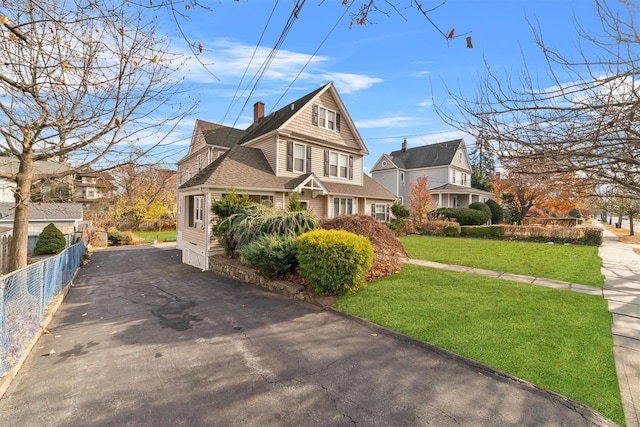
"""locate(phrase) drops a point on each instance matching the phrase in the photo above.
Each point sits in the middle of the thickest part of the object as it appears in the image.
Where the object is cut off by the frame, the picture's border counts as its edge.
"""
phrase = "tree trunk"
(19, 242)
(630, 224)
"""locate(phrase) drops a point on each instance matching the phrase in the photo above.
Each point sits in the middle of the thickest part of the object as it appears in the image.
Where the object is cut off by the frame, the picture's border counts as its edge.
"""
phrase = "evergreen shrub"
(334, 262)
(271, 256)
(464, 216)
(479, 206)
(497, 213)
(50, 241)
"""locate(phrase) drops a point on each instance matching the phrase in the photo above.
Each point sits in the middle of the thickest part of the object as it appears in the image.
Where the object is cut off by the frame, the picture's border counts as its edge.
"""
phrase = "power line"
(246, 70)
(312, 56)
(267, 63)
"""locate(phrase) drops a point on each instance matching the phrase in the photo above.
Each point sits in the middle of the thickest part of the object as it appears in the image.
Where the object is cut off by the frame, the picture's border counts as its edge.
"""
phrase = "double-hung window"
(325, 118)
(299, 157)
(338, 165)
(342, 206)
(380, 211)
(195, 211)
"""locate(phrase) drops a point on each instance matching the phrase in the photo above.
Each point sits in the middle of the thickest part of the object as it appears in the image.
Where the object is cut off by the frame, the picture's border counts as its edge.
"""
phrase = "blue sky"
(388, 72)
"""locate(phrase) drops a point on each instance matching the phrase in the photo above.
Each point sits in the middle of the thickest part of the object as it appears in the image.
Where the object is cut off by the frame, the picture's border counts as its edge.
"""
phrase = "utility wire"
(235, 98)
(267, 63)
(312, 56)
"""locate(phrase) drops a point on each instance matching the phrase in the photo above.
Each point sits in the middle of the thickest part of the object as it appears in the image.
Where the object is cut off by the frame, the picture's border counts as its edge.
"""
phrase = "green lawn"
(160, 236)
(559, 340)
(568, 263)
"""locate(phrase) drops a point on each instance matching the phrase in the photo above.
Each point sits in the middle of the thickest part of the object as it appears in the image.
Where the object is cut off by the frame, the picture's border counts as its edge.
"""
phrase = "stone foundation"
(233, 268)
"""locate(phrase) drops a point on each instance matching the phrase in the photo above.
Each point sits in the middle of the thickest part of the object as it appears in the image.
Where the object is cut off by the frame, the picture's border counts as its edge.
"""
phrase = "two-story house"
(92, 187)
(446, 166)
(310, 147)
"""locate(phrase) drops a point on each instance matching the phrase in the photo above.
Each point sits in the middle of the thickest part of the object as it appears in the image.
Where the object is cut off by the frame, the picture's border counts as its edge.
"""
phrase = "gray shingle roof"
(276, 119)
(40, 167)
(425, 156)
(45, 211)
(247, 168)
(219, 135)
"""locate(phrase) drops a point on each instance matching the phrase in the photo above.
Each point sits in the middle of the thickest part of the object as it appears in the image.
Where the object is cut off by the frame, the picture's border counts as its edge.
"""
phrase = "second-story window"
(338, 165)
(298, 157)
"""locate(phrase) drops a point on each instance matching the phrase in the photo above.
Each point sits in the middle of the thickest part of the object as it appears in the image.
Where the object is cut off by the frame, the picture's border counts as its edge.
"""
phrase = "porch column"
(470, 198)
(439, 200)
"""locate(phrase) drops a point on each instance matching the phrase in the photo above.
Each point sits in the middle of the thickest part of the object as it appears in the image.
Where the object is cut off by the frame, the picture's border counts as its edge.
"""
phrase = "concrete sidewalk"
(621, 268)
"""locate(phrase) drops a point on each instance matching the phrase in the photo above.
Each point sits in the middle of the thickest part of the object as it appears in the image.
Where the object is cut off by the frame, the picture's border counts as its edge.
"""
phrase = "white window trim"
(341, 161)
(304, 157)
(323, 118)
(198, 211)
(343, 209)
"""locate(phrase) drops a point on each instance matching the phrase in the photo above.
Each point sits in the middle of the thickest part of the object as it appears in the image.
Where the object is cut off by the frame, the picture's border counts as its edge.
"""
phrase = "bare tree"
(585, 119)
(84, 83)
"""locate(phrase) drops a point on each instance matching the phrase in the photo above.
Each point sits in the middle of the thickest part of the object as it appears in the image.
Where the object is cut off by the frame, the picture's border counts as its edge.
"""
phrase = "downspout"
(207, 229)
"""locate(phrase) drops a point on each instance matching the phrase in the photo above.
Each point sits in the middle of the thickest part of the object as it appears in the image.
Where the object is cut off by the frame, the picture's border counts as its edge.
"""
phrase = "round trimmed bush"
(50, 241)
(497, 213)
(479, 206)
(334, 262)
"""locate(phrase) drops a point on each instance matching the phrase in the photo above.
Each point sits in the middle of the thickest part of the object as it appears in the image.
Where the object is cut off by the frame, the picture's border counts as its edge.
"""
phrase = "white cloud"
(229, 60)
(385, 122)
(425, 103)
(421, 74)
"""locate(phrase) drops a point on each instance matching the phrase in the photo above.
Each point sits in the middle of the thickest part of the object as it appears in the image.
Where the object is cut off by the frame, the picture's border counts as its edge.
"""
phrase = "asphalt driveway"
(143, 340)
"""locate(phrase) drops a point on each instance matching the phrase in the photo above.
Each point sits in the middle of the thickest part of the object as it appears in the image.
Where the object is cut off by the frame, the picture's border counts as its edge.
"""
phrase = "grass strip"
(556, 339)
(160, 236)
(567, 263)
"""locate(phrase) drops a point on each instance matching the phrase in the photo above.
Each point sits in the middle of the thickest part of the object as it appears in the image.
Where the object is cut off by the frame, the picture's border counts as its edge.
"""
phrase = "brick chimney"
(258, 111)
(404, 145)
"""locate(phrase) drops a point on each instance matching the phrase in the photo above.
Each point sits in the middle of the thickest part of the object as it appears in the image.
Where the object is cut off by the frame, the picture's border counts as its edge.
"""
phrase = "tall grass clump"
(256, 221)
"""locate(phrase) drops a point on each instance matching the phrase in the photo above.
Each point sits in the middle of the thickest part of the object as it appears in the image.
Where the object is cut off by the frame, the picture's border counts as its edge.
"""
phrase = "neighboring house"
(310, 147)
(92, 187)
(45, 188)
(446, 166)
(66, 216)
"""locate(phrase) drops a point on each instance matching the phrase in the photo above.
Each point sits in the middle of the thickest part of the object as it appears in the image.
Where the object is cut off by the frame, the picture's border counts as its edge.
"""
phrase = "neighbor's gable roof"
(44, 211)
(426, 156)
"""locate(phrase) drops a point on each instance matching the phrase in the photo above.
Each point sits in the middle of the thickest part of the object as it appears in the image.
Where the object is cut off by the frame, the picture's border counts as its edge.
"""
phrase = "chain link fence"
(24, 295)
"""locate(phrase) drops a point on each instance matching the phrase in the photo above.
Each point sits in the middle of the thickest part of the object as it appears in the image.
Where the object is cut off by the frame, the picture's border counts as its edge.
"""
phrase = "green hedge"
(464, 216)
(334, 262)
(589, 236)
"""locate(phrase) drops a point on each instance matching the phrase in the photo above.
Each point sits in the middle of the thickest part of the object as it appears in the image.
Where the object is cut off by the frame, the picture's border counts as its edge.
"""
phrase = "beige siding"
(192, 236)
(197, 141)
(302, 123)
(269, 147)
